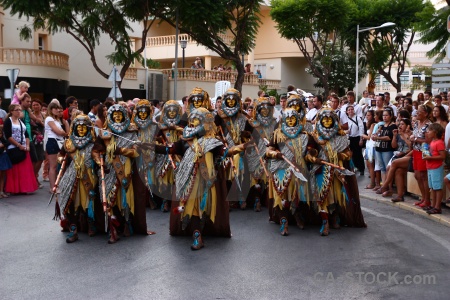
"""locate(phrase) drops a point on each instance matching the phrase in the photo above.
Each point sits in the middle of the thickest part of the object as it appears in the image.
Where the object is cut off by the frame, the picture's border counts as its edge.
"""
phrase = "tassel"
(124, 198)
(130, 228)
(149, 177)
(301, 192)
(64, 223)
(91, 209)
(178, 210)
(57, 215)
(203, 203)
(344, 193)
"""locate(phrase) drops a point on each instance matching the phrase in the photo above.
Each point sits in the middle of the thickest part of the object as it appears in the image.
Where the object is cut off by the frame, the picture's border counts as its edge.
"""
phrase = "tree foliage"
(315, 26)
(342, 74)
(433, 29)
(87, 21)
(386, 49)
(210, 23)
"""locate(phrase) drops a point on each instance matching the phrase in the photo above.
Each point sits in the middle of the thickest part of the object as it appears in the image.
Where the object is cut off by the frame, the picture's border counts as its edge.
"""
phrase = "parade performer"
(263, 124)
(144, 179)
(200, 201)
(116, 142)
(337, 193)
(78, 184)
(234, 130)
(295, 101)
(289, 189)
(169, 132)
(197, 98)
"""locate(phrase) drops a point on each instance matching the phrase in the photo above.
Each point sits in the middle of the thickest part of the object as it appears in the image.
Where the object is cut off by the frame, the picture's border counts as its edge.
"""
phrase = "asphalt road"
(399, 256)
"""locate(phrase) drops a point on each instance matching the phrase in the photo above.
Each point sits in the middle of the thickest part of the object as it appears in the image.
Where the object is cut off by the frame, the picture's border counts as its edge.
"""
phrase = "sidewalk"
(408, 204)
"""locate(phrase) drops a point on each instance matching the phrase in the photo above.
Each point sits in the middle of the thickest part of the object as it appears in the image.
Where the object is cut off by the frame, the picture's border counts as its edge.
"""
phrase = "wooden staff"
(58, 179)
(231, 159)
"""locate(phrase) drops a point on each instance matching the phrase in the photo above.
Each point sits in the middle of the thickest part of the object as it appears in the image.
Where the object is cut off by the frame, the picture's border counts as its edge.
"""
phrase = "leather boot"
(165, 206)
(325, 229)
(284, 227)
(257, 205)
(113, 237)
(198, 241)
(335, 220)
(92, 229)
(299, 220)
(73, 234)
(127, 229)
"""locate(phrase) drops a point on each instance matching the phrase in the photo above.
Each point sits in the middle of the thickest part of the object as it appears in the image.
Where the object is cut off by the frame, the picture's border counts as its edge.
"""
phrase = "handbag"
(15, 154)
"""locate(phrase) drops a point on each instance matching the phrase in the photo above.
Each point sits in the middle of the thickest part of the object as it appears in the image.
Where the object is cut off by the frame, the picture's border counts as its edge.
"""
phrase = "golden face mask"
(143, 114)
(117, 116)
(82, 130)
(231, 102)
(327, 122)
(291, 121)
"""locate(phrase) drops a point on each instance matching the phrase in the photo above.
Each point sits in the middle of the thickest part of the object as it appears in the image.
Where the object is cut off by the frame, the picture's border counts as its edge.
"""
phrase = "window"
(42, 42)
(262, 68)
(404, 78)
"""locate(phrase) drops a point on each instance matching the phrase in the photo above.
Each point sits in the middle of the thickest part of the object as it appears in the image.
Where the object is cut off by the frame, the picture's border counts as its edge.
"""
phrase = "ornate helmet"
(122, 124)
(295, 101)
(231, 102)
(291, 124)
(81, 131)
(143, 113)
(263, 111)
(170, 114)
(327, 125)
(200, 123)
(198, 98)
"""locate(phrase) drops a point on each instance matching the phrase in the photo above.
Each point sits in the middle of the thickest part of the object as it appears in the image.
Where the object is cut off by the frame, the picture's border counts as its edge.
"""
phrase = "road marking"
(429, 234)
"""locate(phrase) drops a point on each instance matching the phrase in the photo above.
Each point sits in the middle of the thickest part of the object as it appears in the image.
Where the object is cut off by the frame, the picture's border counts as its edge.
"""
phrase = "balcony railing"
(169, 40)
(206, 75)
(34, 57)
(131, 73)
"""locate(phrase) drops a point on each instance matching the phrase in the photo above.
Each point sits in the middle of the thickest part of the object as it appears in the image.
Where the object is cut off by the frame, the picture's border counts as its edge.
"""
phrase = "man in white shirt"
(343, 120)
(312, 113)
(351, 101)
(387, 102)
(355, 133)
(276, 111)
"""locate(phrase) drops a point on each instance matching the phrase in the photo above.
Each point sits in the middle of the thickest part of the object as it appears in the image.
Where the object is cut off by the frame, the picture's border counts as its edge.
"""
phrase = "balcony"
(33, 57)
(213, 76)
(169, 40)
(162, 48)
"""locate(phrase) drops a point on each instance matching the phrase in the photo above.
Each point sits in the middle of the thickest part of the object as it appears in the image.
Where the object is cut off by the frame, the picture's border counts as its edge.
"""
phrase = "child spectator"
(5, 163)
(435, 166)
(23, 87)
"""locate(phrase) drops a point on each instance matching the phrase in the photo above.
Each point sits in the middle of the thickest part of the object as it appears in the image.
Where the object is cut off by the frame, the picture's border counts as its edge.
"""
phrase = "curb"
(442, 219)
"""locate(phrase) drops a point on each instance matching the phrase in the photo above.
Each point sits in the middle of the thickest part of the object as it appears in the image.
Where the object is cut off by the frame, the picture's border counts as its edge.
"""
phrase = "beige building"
(57, 65)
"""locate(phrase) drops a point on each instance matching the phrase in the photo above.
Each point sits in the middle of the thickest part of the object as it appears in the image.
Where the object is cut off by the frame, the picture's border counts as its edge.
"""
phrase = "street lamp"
(387, 24)
(183, 44)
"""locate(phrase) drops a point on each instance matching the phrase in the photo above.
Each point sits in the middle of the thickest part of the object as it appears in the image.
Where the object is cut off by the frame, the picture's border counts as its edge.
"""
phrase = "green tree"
(433, 29)
(342, 75)
(87, 21)
(211, 23)
(386, 49)
(315, 26)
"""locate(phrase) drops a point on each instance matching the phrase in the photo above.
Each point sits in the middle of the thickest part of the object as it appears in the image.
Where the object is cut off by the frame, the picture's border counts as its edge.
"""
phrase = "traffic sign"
(115, 93)
(12, 75)
(114, 75)
(448, 23)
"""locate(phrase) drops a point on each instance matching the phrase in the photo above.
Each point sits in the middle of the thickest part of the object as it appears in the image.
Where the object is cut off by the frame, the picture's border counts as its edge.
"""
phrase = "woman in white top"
(55, 137)
(20, 178)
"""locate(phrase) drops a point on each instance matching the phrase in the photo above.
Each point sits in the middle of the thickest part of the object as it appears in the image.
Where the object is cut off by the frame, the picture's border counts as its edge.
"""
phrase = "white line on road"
(429, 234)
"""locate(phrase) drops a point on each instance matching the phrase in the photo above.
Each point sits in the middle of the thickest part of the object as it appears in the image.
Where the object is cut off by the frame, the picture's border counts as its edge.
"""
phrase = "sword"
(292, 167)
(112, 133)
(58, 179)
(104, 201)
